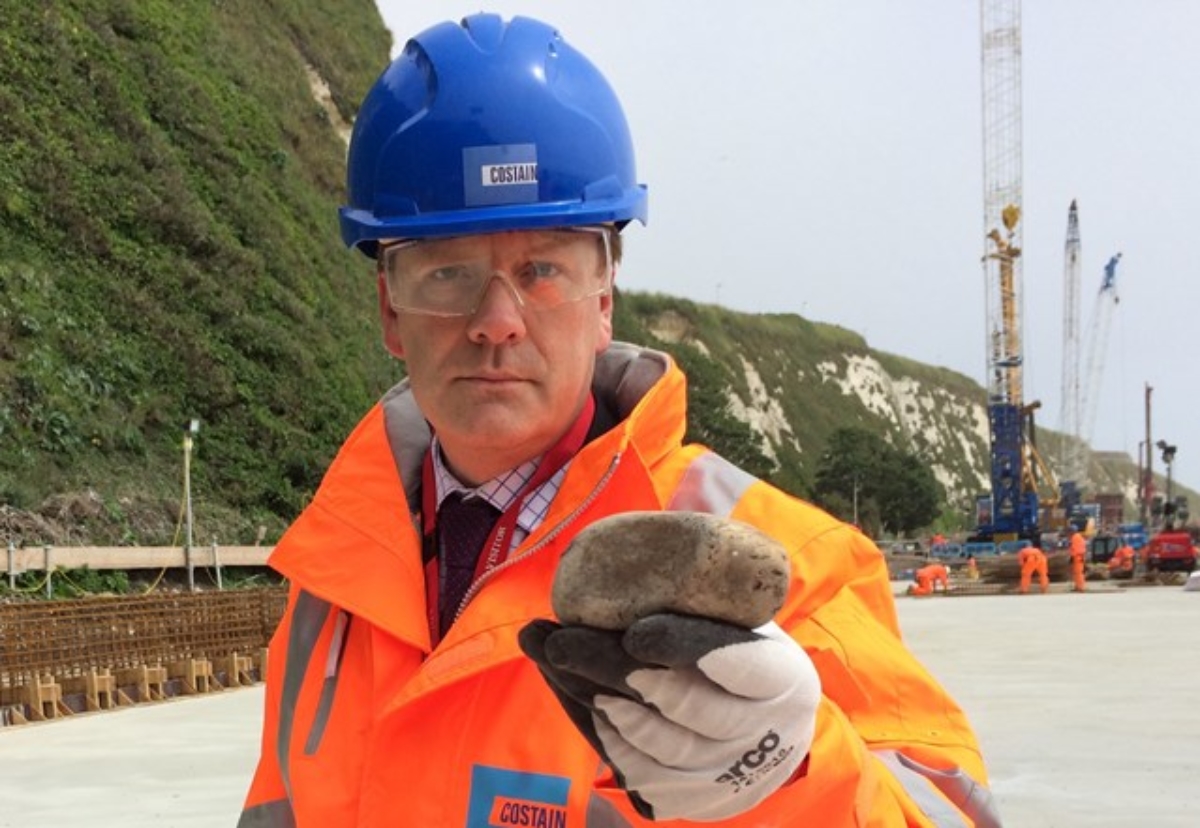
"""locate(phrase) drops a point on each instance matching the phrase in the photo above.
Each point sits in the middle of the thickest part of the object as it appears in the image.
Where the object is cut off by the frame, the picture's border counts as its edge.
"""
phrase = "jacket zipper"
(551, 535)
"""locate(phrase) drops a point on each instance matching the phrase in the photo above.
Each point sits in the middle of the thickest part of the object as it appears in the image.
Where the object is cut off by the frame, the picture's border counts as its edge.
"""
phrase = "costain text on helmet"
(499, 174)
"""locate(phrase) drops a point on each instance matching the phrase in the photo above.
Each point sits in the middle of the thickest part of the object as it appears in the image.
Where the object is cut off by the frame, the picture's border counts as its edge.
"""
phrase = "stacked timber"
(1005, 569)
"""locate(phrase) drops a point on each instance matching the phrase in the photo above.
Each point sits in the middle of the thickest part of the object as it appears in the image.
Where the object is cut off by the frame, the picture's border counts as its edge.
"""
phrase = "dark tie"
(463, 526)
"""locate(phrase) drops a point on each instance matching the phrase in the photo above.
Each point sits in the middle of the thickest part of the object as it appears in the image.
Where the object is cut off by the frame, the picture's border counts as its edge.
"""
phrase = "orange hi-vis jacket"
(1078, 548)
(934, 573)
(366, 725)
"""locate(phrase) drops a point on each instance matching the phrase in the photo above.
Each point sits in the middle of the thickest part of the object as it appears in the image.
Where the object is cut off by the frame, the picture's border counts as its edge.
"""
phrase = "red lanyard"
(500, 542)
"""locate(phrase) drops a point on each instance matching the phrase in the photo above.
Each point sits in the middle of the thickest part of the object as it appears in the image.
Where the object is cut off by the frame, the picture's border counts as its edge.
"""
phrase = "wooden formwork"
(115, 650)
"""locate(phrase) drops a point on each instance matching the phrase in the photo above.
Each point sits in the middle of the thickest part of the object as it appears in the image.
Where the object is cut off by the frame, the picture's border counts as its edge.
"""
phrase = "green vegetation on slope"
(169, 248)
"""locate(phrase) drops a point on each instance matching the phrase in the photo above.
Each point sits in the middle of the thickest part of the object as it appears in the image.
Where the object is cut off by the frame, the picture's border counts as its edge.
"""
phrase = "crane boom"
(1106, 301)
(1071, 463)
(1001, 79)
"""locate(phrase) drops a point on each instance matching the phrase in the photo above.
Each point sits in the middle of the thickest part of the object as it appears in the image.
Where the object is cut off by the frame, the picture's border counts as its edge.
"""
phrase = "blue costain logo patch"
(501, 174)
(502, 798)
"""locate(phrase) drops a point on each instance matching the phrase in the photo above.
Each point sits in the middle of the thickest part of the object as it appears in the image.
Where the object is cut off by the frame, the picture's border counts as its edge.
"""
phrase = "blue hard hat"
(485, 126)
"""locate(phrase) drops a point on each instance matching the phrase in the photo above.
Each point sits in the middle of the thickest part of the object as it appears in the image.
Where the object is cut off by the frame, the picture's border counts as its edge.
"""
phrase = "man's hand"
(699, 719)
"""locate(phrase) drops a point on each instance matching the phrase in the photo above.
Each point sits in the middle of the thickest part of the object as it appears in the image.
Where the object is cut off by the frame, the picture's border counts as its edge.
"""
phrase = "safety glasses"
(542, 268)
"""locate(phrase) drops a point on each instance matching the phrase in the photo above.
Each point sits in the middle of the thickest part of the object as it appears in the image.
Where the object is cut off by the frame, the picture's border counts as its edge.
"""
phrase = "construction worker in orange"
(1121, 563)
(1078, 553)
(929, 577)
(1033, 560)
(972, 569)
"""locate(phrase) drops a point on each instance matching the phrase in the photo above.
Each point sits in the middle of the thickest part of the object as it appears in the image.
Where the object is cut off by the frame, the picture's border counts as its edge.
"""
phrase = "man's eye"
(452, 274)
(542, 270)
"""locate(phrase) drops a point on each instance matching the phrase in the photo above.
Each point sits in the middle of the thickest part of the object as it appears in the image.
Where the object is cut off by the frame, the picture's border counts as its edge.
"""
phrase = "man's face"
(501, 384)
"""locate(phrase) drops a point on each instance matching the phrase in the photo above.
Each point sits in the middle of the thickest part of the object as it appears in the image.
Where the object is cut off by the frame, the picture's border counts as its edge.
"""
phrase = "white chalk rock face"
(631, 565)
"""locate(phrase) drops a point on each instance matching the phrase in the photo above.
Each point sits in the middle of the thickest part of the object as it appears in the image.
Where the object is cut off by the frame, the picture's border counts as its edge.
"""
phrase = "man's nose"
(499, 277)
(500, 314)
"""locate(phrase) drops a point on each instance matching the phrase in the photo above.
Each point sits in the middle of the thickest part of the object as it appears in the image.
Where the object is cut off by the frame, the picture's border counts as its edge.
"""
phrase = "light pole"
(1168, 456)
(189, 433)
(1141, 490)
(856, 500)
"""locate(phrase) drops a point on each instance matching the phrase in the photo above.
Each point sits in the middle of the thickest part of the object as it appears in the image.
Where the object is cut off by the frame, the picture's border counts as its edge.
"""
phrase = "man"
(410, 683)
(930, 577)
(1078, 555)
(972, 569)
(1033, 561)
(1120, 565)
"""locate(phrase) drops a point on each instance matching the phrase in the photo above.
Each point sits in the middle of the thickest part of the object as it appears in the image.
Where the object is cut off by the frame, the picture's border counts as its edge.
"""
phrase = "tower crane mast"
(1081, 395)
(1071, 462)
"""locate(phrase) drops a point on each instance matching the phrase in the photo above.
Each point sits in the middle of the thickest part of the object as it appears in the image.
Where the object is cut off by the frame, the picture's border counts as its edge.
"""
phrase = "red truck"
(1172, 551)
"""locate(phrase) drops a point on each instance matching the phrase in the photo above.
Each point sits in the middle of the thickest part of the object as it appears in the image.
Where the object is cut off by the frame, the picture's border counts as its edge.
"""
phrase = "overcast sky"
(825, 159)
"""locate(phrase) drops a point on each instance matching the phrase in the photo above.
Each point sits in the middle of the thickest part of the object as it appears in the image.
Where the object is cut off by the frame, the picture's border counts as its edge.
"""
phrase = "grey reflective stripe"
(711, 484)
(332, 662)
(408, 435)
(308, 618)
(277, 814)
(603, 814)
(971, 798)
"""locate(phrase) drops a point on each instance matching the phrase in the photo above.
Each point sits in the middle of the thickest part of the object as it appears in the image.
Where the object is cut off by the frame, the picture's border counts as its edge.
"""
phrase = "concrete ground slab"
(182, 763)
(1086, 706)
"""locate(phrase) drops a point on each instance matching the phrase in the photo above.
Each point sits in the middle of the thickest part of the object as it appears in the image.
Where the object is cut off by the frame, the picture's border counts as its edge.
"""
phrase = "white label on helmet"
(499, 175)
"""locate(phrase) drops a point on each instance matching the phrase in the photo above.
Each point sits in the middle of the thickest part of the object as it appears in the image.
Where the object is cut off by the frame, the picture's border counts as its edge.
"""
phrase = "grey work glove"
(699, 719)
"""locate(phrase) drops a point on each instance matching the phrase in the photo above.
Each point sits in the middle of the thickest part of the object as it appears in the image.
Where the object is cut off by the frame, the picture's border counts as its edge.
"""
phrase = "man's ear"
(607, 303)
(388, 319)
(604, 335)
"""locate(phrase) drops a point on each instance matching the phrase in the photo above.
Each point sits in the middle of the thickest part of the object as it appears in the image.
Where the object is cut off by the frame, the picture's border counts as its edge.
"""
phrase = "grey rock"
(631, 565)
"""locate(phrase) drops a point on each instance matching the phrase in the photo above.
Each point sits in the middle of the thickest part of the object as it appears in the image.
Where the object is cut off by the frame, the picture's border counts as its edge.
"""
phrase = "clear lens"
(544, 268)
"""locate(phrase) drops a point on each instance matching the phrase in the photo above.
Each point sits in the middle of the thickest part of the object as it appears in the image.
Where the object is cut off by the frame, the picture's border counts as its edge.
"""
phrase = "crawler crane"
(1022, 484)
